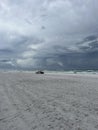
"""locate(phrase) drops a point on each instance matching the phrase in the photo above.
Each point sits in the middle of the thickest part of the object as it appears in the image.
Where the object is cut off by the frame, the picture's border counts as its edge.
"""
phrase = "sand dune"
(48, 102)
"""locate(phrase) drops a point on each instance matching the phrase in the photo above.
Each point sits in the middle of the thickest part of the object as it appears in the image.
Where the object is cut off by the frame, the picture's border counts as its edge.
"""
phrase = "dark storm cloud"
(7, 51)
(49, 33)
(85, 57)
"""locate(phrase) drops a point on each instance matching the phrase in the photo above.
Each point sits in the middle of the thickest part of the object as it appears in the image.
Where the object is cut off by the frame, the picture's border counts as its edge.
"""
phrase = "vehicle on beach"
(39, 72)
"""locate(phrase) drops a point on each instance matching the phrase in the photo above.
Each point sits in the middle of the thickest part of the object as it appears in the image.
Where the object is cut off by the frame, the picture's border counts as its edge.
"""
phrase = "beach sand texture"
(48, 102)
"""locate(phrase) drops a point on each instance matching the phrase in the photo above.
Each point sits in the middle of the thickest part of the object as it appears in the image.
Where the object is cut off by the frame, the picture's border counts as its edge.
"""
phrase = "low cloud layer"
(48, 34)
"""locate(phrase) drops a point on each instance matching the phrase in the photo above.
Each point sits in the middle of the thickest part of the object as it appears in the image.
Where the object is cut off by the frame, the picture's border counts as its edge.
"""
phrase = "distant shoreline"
(54, 72)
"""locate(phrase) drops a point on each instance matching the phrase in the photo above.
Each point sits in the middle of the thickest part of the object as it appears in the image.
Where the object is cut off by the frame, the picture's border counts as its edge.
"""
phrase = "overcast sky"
(49, 34)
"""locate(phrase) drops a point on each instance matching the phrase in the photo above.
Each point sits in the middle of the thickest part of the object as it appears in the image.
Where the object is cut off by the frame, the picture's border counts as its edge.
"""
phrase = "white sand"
(48, 102)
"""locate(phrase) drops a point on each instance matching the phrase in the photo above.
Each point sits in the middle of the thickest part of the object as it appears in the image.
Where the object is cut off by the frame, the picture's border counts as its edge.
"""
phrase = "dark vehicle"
(39, 72)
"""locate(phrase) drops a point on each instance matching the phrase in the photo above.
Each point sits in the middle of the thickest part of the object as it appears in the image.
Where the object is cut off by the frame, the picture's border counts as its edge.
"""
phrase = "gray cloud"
(47, 33)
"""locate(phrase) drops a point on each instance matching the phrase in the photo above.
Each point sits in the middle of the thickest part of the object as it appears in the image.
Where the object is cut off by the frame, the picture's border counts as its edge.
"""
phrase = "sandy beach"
(31, 101)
